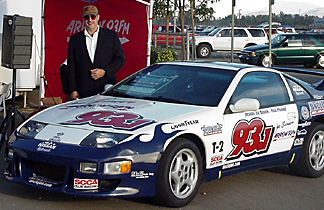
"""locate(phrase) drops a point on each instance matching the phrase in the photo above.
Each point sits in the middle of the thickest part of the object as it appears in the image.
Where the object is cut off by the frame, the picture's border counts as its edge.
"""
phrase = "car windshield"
(278, 39)
(214, 32)
(176, 84)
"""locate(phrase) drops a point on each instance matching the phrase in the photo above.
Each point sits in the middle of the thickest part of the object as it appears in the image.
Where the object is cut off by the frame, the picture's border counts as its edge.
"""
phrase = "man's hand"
(97, 73)
(75, 95)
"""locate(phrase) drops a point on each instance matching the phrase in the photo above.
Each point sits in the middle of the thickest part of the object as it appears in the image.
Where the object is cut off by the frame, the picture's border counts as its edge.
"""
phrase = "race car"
(170, 127)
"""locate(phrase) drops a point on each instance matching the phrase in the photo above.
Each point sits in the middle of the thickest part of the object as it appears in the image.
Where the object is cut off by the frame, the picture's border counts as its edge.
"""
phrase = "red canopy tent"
(129, 18)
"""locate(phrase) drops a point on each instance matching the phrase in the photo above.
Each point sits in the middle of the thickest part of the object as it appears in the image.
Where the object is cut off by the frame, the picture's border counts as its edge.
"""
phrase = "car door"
(265, 134)
(240, 39)
(222, 40)
(312, 45)
(291, 50)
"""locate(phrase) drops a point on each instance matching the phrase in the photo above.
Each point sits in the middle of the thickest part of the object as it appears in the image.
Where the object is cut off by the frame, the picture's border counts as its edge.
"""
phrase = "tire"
(320, 61)
(264, 60)
(203, 51)
(311, 163)
(179, 175)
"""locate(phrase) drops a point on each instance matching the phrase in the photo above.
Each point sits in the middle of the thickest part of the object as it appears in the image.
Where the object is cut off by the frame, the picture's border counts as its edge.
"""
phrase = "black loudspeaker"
(17, 39)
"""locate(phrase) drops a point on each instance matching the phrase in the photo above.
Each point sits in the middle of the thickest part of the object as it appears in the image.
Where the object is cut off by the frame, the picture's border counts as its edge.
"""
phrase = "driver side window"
(267, 87)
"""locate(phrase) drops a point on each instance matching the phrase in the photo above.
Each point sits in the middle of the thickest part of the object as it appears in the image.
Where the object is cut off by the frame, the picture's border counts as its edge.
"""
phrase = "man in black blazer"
(94, 57)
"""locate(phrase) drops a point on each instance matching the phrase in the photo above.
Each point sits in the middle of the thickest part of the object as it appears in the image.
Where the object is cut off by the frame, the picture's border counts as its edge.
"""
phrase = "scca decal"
(249, 138)
(117, 120)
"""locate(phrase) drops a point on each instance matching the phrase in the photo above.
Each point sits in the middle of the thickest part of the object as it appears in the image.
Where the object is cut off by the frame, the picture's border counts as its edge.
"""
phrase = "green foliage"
(160, 55)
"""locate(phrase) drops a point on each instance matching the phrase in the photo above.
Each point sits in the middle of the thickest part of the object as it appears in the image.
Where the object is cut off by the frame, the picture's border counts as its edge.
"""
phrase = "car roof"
(210, 64)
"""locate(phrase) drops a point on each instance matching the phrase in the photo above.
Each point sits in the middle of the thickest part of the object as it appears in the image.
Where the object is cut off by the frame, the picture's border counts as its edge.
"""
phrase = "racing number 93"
(117, 120)
(250, 137)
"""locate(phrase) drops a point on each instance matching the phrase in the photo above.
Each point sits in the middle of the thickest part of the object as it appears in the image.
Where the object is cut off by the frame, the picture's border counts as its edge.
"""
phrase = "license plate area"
(85, 184)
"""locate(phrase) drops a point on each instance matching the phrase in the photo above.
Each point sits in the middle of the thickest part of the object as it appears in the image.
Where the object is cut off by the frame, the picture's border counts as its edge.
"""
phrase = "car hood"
(111, 114)
(204, 39)
(256, 47)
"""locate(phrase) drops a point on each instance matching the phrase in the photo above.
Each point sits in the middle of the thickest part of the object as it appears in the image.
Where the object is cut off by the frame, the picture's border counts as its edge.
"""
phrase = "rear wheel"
(311, 163)
(203, 51)
(179, 175)
(320, 62)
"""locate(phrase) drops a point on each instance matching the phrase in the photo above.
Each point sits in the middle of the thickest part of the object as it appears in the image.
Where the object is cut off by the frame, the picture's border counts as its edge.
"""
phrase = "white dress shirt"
(91, 42)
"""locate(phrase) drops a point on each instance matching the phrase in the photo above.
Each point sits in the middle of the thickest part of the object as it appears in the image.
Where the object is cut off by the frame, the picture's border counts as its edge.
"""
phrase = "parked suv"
(292, 48)
(220, 40)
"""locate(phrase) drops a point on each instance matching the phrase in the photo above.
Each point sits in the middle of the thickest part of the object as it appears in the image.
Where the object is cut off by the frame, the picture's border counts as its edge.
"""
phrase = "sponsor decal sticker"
(46, 146)
(121, 105)
(284, 124)
(304, 112)
(218, 147)
(285, 134)
(302, 132)
(316, 108)
(141, 174)
(216, 160)
(57, 138)
(250, 137)
(185, 124)
(41, 181)
(318, 96)
(211, 130)
(231, 165)
(85, 184)
(298, 141)
(304, 124)
(265, 111)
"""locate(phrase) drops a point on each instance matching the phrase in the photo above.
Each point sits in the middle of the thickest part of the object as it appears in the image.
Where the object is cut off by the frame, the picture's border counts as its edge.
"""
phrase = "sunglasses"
(87, 17)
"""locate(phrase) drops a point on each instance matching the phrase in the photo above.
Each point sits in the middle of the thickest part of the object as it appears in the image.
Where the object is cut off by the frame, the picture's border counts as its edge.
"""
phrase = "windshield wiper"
(118, 94)
(163, 99)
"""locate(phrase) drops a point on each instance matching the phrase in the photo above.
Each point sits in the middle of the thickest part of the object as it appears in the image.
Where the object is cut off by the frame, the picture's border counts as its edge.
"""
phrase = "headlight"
(88, 168)
(31, 129)
(118, 167)
(103, 140)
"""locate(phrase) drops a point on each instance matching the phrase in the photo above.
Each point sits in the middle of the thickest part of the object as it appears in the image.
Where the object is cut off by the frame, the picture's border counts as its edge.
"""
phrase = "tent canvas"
(62, 19)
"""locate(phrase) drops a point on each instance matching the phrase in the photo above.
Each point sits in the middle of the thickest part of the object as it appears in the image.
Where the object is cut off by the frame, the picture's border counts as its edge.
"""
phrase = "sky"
(224, 7)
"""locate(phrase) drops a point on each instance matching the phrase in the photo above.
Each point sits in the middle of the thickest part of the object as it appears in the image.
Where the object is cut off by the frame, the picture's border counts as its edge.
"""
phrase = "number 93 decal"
(117, 120)
(249, 138)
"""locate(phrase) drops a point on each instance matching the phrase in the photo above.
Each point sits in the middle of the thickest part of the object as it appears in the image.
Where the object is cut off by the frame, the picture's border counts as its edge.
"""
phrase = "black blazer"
(109, 56)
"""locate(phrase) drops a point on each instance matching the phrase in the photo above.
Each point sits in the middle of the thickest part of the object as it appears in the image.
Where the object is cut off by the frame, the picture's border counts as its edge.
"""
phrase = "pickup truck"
(161, 38)
(220, 40)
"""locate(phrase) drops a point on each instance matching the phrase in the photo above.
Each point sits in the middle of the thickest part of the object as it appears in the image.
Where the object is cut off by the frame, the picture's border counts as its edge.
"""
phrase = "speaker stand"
(11, 115)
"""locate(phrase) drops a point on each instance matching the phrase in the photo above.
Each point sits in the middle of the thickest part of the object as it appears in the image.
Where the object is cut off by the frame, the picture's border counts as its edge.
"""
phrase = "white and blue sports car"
(169, 127)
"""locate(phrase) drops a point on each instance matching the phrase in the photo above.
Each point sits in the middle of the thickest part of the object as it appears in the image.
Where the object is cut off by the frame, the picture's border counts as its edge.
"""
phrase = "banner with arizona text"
(63, 18)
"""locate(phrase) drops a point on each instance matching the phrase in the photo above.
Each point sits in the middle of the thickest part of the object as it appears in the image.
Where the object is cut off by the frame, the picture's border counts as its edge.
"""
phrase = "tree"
(199, 12)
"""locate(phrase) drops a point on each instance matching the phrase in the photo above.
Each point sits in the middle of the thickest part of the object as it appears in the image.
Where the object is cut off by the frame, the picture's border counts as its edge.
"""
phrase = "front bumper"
(59, 169)
(246, 58)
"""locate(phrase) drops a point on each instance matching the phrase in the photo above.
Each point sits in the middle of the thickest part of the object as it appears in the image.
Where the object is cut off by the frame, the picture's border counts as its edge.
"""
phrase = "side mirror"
(245, 104)
(107, 86)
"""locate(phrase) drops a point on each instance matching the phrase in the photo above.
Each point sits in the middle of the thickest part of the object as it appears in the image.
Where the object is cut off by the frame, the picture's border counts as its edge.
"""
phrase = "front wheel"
(320, 62)
(311, 163)
(203, 51)
(264, 61)
(179, 175)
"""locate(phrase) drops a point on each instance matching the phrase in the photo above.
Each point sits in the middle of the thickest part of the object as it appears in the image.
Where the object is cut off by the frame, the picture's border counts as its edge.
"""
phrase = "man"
(94, 57)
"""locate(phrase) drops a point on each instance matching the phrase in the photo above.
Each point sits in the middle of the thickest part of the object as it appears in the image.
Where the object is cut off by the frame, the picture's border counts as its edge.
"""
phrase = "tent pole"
(41, 68)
